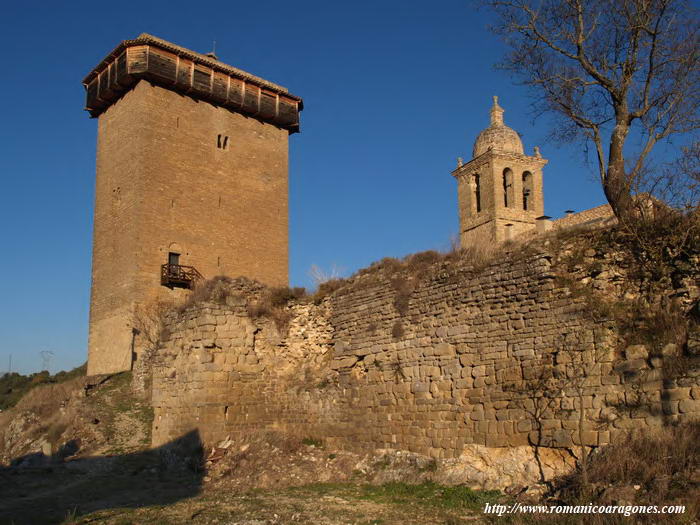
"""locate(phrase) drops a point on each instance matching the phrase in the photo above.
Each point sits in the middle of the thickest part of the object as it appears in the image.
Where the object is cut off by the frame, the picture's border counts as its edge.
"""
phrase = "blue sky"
(394, 92)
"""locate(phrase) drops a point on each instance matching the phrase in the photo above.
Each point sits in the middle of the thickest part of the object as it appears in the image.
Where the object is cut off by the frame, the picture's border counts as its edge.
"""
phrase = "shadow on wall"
(38, 489)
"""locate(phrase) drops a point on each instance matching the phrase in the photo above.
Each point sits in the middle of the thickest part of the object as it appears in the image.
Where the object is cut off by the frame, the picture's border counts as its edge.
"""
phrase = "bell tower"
(500, 188)
(191, 183)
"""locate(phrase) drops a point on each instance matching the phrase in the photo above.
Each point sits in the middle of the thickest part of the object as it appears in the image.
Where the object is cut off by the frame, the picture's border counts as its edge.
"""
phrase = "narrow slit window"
(477, 192)
(527, 190)
(222, 142)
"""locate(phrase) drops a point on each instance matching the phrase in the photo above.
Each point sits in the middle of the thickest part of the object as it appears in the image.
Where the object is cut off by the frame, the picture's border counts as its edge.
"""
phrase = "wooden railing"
(178, 276)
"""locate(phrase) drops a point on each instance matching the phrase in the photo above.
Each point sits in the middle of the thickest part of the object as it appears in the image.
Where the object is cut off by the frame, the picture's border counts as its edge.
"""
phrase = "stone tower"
(191, 183)
(500, 189)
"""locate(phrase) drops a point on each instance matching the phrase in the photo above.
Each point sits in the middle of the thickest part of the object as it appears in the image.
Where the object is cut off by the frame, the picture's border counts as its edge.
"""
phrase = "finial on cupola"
(496, 113)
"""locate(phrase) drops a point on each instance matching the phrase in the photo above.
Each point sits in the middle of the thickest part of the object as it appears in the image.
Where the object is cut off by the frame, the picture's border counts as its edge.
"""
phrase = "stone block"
(610, 380)
(477, 414)
(689, 405)
(670, 350)
(634, 352)
(445, 350)
(494, 440)
(430, 371)
(205, 320)
(464, 349)
(585, 437)
(479, 371)
(420, 387)
(561, 438)
(464, 383)
(631, 366)
(676, 394)
(344, 362)
(453, 371)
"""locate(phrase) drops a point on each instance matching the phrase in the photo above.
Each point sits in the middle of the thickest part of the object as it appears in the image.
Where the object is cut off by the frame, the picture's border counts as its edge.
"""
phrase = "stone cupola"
(497, 136)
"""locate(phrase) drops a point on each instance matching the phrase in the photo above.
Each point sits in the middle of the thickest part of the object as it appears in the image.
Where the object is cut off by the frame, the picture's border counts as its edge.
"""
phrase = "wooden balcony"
(178, 276)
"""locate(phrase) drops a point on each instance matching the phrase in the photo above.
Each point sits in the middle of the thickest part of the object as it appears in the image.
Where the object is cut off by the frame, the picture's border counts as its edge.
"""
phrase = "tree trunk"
(616, 185)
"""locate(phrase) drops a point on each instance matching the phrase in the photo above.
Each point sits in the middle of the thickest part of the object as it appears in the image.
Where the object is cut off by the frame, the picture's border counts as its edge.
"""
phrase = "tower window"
(477, 192)
(507, 187)
(173, 258)
(222, 142)
(527, 190)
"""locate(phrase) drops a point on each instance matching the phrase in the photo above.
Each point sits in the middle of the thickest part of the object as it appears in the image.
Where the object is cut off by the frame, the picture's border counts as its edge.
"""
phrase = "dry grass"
(651, 467)
(43, 400)
(216, 290)
(327, 288)
(274, 304)
(664, 461)
(46, 405)
(405, 274)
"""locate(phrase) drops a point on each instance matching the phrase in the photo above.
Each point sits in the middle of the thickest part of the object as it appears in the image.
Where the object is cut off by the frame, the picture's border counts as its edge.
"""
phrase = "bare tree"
(679, 182)
(319, 275)
(608, 70)
(148, 321)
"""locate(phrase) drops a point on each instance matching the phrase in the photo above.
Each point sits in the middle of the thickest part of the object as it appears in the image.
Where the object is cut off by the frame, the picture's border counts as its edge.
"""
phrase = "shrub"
(660, 463)
(327, 288)
(388, 264)
(280, 296)
(312, 442)
(418, 262)
(216, 290)
(273, 304)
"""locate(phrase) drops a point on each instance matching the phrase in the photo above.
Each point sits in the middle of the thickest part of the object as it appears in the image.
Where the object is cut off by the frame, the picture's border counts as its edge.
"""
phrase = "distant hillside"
(13, 385)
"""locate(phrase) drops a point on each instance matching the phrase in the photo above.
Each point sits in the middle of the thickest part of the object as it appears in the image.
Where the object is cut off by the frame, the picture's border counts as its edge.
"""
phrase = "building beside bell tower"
(500, 188)
(191, 183)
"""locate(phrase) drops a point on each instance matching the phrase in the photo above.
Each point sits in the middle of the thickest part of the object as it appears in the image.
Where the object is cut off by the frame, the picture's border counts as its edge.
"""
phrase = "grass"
(428, 493)
(114, 399)
(312, 442)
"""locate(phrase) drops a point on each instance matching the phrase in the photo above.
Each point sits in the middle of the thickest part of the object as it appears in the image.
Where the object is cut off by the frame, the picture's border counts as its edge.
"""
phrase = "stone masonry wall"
(163, 185)
(502, 357)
